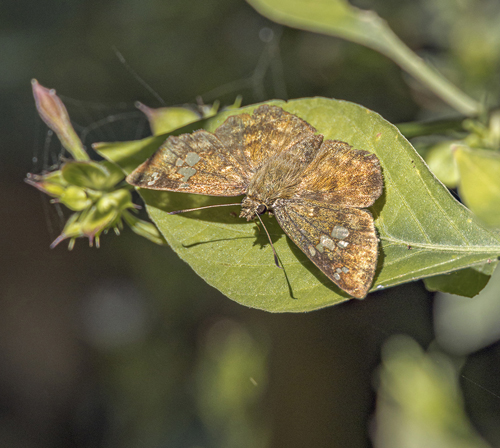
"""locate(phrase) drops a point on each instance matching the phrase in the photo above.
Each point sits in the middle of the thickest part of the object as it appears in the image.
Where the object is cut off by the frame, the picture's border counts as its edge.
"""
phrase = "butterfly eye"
(261, 209)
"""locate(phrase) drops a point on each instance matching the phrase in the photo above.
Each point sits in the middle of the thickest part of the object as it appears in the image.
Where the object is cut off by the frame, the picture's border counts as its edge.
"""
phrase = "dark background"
(125, 345)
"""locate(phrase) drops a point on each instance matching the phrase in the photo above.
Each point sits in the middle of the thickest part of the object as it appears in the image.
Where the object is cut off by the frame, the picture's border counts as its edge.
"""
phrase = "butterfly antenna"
(270, 242)
(276, 259)
(201, 208)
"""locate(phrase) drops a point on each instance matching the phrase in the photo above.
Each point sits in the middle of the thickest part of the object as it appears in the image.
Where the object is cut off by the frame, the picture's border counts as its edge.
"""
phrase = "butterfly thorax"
(278, 178)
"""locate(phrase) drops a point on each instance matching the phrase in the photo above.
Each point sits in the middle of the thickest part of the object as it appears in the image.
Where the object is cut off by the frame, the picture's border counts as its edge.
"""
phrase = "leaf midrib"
(445, 247)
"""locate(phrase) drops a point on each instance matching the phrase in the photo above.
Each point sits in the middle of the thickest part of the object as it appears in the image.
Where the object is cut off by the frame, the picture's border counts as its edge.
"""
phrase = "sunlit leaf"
(480, 182)
(442, 164)
(423, 230)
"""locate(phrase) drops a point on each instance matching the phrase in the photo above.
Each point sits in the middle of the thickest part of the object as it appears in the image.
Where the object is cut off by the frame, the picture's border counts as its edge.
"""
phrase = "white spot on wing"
(343, 244)
(327, 242)
(154, 178)
(187, 172)
(192, 158)
(340, 232)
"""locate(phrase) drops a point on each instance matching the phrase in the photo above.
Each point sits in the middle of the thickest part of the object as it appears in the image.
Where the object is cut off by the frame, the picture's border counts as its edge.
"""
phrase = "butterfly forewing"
(265, 134)
(342, 176)
(192, 163)
(342, 242)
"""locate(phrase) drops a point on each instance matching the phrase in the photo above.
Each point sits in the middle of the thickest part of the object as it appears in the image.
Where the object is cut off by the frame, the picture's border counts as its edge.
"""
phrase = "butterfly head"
(250, 208)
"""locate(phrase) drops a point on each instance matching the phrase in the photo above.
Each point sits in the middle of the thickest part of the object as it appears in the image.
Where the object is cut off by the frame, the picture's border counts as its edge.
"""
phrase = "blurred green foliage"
(419, 402)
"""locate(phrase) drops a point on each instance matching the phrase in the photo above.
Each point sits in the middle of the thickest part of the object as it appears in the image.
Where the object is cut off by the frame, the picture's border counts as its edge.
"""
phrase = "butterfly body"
(317, 189)
(279, 177)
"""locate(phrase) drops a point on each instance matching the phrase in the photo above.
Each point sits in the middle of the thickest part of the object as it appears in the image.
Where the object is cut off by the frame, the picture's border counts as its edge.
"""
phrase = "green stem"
(396, 50)
(419, 129)
(338, 18)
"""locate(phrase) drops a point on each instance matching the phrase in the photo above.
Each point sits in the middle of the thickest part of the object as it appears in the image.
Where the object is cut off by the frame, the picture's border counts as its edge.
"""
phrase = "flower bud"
(167, 119)
(52, 110)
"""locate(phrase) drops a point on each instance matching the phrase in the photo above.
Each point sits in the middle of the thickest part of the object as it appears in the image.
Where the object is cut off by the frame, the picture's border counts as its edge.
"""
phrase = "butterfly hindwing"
(192, 163)
(342, 242)
(342, 176)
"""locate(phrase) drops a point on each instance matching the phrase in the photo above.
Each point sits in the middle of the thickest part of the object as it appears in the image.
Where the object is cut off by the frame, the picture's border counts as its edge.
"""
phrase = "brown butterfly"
(316, 188)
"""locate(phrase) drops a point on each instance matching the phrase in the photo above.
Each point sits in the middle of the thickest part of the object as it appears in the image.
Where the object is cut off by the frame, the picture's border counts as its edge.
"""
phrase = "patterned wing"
(192, 163)
(342, 242)
(342, 176)
(266, 133)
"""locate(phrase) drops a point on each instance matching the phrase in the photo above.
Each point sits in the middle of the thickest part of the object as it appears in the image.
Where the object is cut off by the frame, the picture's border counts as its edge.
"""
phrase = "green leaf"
(467, 282)
(479, 185)
(338, 18)
(423, 230)
(442, 163)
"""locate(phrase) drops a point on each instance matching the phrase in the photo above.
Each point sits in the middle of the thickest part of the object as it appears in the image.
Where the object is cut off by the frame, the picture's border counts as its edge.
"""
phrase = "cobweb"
(108, 122)
(93, 122)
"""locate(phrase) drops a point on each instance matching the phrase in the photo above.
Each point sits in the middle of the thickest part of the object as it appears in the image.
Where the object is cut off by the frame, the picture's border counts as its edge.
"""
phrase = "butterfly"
(317, 189)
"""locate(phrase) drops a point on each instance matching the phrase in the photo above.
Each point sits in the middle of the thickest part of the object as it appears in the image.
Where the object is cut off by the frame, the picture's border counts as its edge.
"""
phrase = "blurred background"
(124, 346)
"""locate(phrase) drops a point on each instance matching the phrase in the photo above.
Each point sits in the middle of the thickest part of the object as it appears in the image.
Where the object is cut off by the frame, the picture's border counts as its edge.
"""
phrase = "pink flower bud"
(52, 110)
